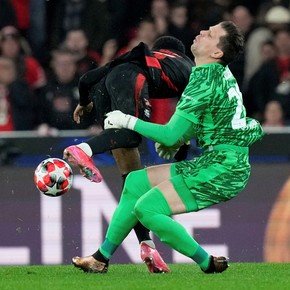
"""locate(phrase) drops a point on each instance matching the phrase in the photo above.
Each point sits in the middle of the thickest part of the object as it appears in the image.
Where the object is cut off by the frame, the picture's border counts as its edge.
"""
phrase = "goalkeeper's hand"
(178, 151)
(117, 119)
(166, 152)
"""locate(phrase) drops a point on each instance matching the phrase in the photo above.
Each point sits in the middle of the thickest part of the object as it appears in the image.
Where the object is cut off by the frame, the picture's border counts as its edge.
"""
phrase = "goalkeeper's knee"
(151, 206)
(137, 183)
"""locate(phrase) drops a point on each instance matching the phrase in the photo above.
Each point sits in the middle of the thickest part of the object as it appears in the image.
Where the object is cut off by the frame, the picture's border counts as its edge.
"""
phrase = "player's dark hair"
(168, 42)
(232, 44)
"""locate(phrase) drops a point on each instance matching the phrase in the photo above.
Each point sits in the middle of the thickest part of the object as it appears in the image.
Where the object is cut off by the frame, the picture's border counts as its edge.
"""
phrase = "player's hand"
(117, 119)
(81, 110)
(166, 152)
(178, 151)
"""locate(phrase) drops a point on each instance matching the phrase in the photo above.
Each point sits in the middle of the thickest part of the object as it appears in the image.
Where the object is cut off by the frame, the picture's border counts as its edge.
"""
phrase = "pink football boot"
(152, 259)
(77, 157)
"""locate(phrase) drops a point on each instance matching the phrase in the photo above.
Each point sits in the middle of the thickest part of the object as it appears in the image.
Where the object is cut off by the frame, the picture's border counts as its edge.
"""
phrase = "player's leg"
(154, 210)
(81, 154)
(121, 224)
(128, 88)
(125, 86)
(128, 159)
(128, 162)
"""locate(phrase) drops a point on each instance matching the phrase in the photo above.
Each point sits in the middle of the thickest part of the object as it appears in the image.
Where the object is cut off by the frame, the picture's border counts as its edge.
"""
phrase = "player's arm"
(169, 134)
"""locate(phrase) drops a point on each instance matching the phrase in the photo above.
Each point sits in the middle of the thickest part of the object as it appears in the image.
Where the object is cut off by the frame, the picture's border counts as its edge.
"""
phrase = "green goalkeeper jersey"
(213, 102)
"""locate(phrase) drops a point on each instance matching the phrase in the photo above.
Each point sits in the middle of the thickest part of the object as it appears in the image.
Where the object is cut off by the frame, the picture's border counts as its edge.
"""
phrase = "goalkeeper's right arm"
(169, 134)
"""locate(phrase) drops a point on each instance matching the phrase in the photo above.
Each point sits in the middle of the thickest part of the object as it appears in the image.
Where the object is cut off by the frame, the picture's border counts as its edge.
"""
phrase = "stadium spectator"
(160, 15)
(179, 26)
(145, 32)
(87, 59)
(57, 100)
(37, 33)
(275, 18)
(204, 13)
(90, 16)
(109, 51)
(268, 53)
(16, 101)
(273, 115)
(130, 83)
(124, 17)
(243, 18)
(14, 46)
(272, 81)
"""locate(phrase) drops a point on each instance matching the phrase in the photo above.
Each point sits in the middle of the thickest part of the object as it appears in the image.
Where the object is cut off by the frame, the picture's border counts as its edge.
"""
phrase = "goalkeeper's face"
(205, 45)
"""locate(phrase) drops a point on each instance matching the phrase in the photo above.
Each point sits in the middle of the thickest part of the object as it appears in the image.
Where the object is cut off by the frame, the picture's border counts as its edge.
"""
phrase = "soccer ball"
(53, 177)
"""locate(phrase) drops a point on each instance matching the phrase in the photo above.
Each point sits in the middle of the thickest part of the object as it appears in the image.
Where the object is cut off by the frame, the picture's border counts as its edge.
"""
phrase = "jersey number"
(238, 121)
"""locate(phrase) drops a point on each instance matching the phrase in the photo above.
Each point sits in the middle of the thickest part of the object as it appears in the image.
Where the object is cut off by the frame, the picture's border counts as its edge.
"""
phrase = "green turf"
(239, 276)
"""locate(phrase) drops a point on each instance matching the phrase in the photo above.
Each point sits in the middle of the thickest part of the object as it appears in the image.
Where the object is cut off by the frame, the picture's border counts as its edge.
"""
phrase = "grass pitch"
(183, 276)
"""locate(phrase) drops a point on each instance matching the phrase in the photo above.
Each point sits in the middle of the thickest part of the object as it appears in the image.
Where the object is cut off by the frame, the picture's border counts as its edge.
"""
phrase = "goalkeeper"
(210, 109)
(136, 83)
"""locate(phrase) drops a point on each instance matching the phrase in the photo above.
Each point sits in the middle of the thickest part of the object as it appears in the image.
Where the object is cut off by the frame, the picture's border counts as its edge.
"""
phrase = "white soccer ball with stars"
(53, 177)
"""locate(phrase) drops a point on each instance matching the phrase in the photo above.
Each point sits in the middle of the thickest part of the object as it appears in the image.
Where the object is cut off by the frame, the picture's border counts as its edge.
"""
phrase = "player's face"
(205, 44)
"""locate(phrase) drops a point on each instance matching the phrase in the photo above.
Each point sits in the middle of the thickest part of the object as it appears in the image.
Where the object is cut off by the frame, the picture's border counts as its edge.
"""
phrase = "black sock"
(141, 232)
(112, 139)
(100, 257)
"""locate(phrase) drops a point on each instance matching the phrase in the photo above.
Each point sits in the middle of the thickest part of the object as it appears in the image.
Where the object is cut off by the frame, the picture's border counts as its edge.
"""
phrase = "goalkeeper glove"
(166, 152)
(178, 151)
(117, 119)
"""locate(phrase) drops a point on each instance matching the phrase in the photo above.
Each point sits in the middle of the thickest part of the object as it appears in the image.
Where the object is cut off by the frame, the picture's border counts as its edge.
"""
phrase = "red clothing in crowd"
(34, 73)
(21, 8)
(284, 67)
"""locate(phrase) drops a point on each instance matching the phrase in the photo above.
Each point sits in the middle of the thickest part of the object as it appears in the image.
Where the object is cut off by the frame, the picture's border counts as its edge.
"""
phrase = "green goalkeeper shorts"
(214, 177)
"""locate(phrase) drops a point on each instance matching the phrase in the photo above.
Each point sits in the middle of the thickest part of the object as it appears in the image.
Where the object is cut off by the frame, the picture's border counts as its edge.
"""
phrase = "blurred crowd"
(46, 45)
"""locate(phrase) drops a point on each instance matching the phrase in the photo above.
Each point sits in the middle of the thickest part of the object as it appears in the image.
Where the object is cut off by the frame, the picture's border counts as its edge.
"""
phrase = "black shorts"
(124, 88)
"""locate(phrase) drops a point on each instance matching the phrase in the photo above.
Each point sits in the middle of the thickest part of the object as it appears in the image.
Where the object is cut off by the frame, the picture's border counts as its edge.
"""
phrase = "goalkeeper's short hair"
(168, 42)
